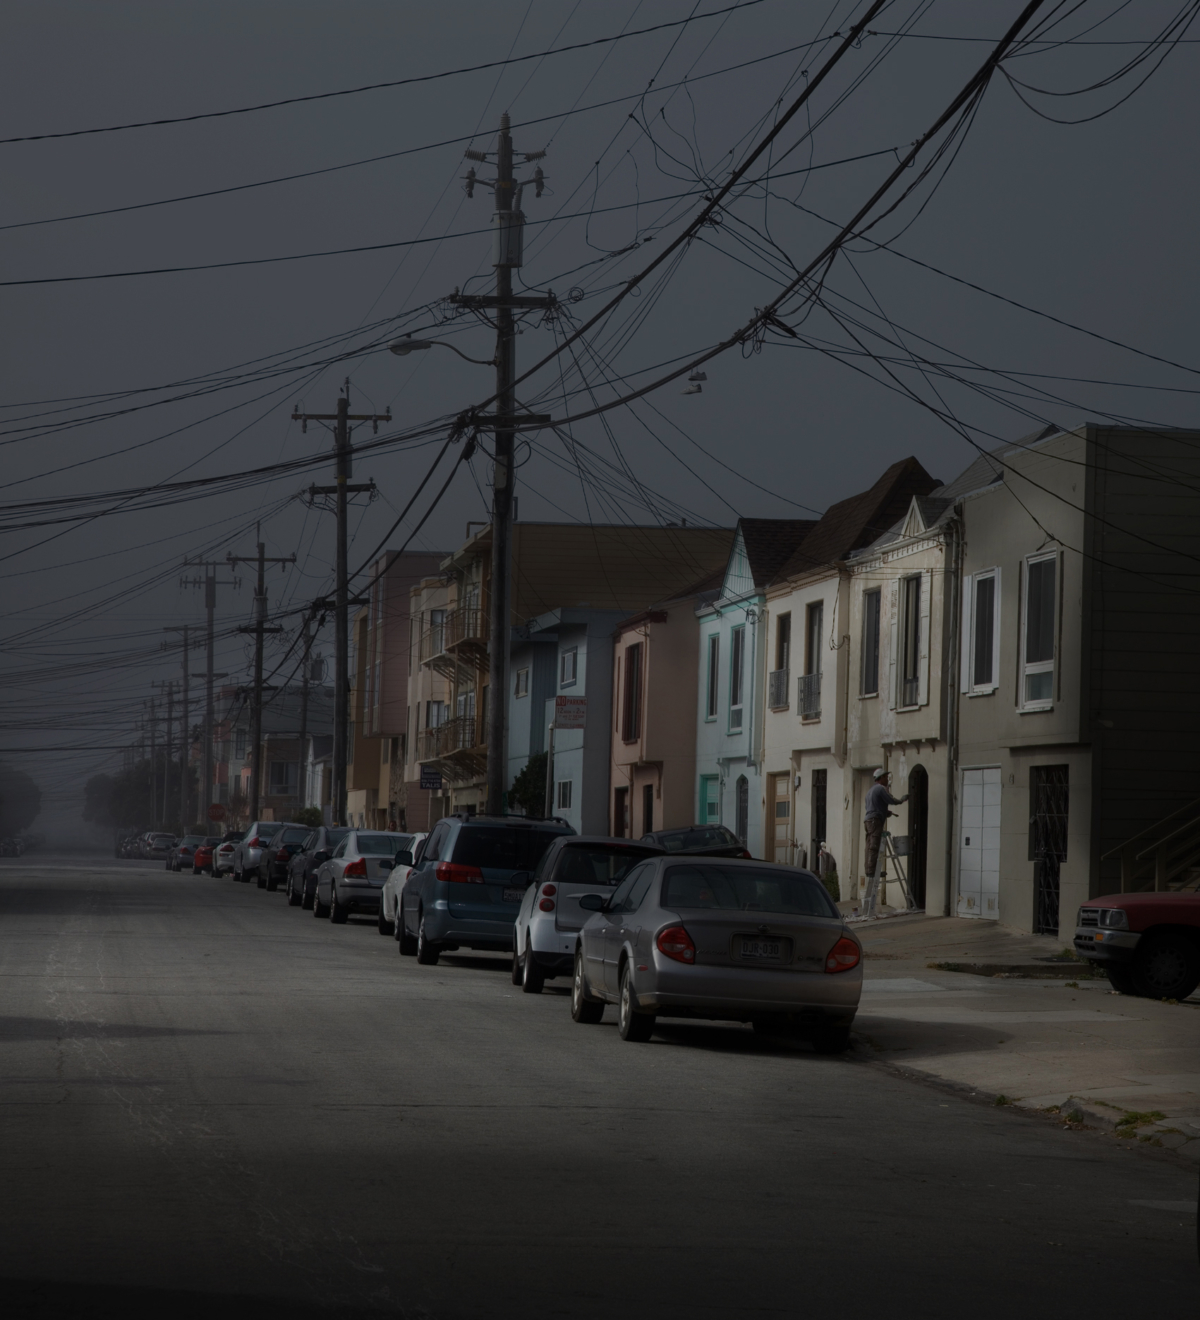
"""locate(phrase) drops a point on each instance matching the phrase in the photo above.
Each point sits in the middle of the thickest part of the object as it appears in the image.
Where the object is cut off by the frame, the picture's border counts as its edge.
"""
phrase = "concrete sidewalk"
(1040, 1035)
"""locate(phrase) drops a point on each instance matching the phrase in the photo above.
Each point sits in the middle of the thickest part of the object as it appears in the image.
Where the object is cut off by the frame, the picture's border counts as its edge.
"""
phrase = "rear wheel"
(338, 912)
(1121, 979)
(384, 926)
(318, 908)
(1166, 966)
(533, 978)
(832, 1040)
(516, 966)
(407, 942)
(293, 894)
(630, 1023)
(583, 1007)
(306, 899)
(272, 883)
(427, 953)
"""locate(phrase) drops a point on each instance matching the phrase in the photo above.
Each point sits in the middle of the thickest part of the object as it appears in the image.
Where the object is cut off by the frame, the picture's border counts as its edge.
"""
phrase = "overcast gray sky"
(1091, 223)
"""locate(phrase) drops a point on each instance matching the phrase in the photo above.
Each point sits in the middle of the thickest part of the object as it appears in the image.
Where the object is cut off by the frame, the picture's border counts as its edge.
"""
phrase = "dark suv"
(305, 862)
(281, 848)
(468, 881)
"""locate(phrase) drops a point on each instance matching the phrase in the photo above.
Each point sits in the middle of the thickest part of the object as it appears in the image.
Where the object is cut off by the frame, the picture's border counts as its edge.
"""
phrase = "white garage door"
(979, 844)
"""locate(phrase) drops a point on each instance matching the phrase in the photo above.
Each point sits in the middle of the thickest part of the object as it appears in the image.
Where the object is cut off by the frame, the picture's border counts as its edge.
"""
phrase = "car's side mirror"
(593, 902)
(520, 878)
(322, 856)
(403, 858)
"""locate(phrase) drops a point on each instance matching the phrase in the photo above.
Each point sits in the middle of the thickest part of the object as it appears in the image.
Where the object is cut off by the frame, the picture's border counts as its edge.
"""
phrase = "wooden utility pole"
(185, 736)
(341, 491)
(301, 755)
(259, 629)
(169, 688)
(210, 584)
(508, 227)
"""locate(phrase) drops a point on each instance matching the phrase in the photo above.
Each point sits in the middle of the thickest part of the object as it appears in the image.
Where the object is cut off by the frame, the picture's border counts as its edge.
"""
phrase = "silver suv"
(248, 855)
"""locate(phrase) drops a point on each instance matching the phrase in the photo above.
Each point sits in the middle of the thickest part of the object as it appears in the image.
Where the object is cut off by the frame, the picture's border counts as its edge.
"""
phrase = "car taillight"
(549, 890)
(676, 943)
(252, 843)
(844, 955)
(748, 856)
(547, 905)
(456, 873)
(356, 868)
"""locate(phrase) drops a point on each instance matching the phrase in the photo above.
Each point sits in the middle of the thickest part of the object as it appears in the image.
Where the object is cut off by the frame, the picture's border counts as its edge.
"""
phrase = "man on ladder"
(878, 801)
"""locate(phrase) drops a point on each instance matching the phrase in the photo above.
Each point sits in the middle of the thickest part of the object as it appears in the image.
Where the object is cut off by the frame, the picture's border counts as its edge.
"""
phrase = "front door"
(781, 803)
(710, 800)
(979, 844)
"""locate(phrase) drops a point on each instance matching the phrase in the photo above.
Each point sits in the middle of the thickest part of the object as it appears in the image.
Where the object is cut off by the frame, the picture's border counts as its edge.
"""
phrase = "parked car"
(550, 917)
(389, 899)
(278, 852)
(469, 882)
(180, 856)
(352, 879)
(1147, 943)
(223, 853)
(158, 845)
(699, 841)
(719, 938)
(248, 851)
(202, 858)
(316, 849)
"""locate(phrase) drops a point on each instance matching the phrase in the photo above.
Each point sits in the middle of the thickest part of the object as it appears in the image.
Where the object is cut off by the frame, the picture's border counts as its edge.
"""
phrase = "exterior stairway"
(1165, 856)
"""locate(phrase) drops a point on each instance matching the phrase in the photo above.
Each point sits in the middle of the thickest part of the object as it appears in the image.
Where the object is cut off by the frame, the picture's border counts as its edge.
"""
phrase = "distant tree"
(310, 816)
(20, 800)
(128, 801)
(529, 788)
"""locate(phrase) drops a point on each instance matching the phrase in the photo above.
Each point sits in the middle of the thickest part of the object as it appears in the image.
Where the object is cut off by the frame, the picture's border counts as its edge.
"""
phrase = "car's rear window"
(211, 843)
(715, 836)
(382, 845)
(295, 836)
(162, 838)
(267, 831)
(597, 864)
(192, 841)
(747, 889)
(503, 848)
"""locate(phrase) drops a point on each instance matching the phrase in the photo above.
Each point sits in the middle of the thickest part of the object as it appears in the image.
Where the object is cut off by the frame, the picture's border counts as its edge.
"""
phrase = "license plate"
(513, 895)
(762, 950)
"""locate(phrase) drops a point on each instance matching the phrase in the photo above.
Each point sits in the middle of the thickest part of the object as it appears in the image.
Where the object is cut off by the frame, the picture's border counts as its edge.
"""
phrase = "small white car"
(352, 879)
(550, 917)
(389, 903)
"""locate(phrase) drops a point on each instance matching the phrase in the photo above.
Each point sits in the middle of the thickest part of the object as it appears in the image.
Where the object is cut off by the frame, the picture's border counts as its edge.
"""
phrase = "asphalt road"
(215, 1105)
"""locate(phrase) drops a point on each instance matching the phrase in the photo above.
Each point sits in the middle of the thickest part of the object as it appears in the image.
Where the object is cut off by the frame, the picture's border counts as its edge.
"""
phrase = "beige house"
(426, 795)
(813, 726)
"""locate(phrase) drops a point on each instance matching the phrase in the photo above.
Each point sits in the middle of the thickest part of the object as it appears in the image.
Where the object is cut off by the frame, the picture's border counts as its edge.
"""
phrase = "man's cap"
(879, 774)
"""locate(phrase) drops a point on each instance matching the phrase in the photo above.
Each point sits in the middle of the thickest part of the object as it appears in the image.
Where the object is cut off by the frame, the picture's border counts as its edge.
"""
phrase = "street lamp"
(403, 347)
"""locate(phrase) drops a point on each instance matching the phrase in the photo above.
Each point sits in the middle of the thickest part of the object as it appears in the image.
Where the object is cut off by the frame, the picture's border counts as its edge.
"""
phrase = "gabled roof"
(988, 469)
(760, 547)
(859, 520)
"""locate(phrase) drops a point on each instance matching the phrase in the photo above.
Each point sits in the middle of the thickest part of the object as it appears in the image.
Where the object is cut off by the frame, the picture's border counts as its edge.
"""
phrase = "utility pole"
(341, 492)
(169, 688)
(185, 736)
(508, 225)
(301, 756)
(153, 766)
(259, 630)
(210, 583)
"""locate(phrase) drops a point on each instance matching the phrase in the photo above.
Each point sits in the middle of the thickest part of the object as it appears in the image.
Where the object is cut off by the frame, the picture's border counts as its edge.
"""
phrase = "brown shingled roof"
(770, 542)
(859, 520)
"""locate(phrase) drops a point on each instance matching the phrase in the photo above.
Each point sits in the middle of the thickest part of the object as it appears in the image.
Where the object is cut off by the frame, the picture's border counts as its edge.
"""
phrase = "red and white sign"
(216, 812)
(570, 712)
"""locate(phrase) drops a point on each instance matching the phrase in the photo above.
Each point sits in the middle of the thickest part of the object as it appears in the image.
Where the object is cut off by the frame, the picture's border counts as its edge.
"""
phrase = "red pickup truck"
(1147, 944)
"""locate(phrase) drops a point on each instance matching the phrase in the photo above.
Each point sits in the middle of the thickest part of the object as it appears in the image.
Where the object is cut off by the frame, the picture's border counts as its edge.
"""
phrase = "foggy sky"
(1092, 223)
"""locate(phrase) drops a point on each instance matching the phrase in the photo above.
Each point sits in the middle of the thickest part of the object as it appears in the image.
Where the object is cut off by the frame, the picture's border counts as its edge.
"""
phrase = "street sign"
(216, 811)
(570, 712)
(430, 779)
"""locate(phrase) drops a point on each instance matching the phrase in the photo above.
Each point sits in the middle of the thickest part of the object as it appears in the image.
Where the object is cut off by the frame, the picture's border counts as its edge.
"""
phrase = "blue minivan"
(468, 881)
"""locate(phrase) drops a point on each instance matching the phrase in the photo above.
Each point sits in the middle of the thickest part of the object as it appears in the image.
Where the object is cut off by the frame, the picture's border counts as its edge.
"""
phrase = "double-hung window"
(981, 639)
(568, 667)
(737, 677)
(631, 706)
(868, 684)
(713, 689)
(1040, 626)
(521, 683)
(910, 641)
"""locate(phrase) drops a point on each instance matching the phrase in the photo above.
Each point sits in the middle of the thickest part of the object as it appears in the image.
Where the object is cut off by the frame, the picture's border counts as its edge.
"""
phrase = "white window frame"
(737, 678)
(924, 605)
(568, 667)
(863, 690)
(563, 794)
(712, 685)
(1025, 668)
(521, 683)
(969, 620)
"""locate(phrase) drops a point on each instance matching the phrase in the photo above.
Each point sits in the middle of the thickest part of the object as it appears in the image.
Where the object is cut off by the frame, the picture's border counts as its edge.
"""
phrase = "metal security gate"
(1049, 792)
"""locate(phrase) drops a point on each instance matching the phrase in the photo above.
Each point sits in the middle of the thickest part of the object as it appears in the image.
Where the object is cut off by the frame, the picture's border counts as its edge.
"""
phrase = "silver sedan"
(352, 879)
(719, 938)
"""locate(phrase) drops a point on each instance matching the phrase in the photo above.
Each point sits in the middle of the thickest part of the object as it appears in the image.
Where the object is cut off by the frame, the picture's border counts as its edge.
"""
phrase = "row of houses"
(1016, 647)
